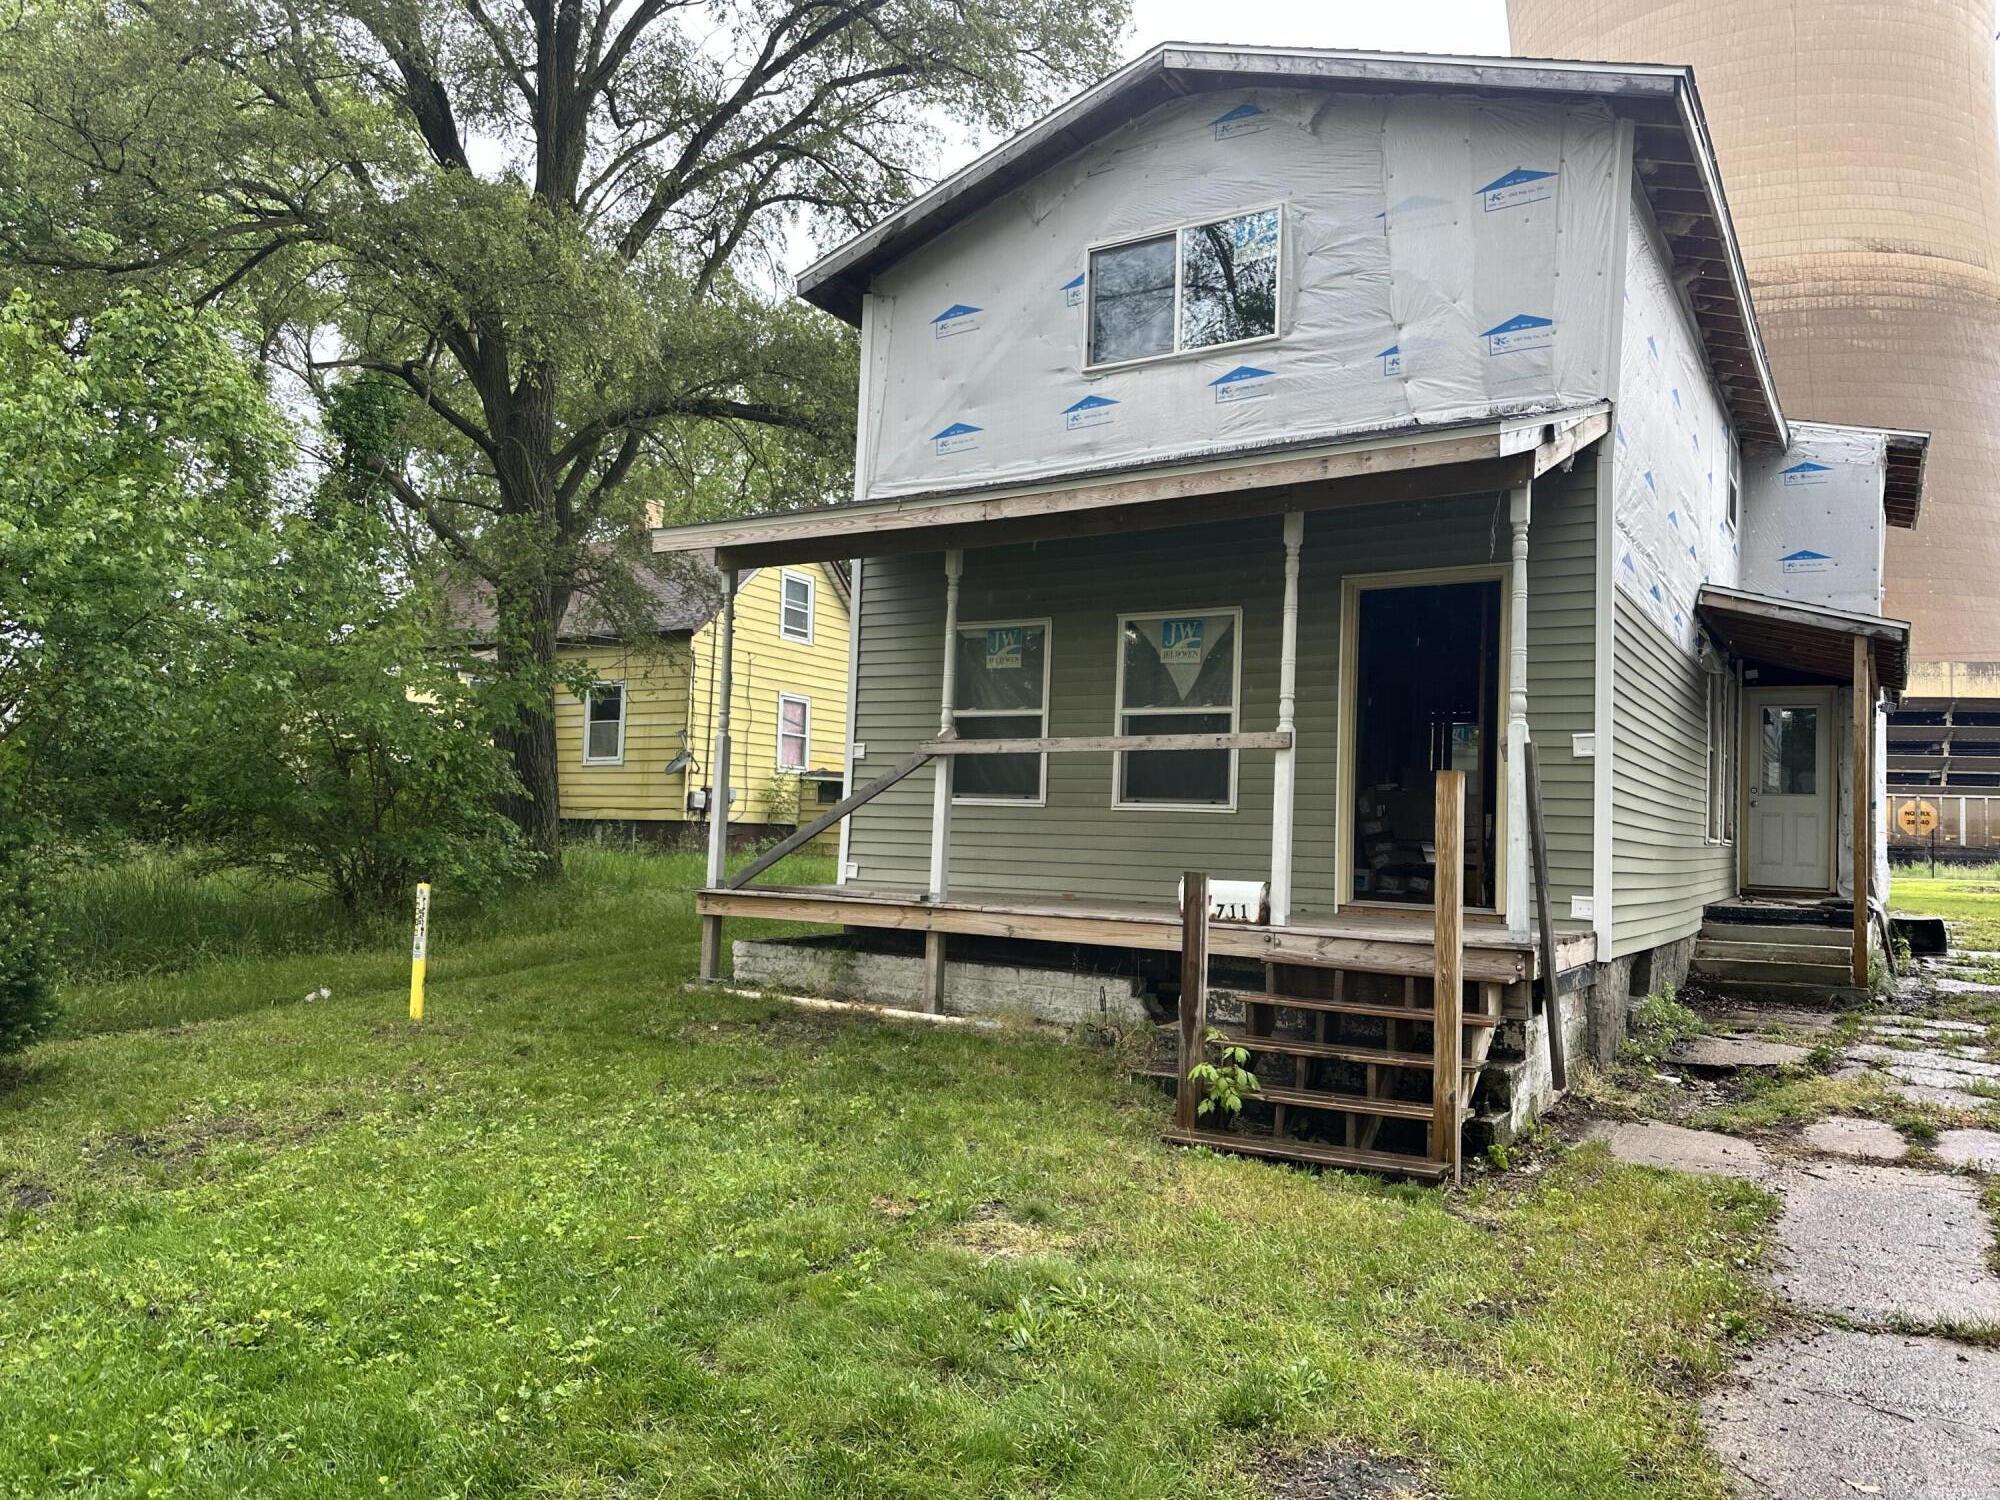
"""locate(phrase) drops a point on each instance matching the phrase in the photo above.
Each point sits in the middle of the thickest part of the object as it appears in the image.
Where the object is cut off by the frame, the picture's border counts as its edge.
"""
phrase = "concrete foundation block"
(838, 970)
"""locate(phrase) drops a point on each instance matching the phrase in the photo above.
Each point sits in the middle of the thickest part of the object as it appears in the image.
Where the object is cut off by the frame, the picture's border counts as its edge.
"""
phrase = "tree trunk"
(527, 659)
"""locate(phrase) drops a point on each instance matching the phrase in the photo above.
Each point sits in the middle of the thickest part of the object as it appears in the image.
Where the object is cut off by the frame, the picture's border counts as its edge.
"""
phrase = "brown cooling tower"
(1862, 171)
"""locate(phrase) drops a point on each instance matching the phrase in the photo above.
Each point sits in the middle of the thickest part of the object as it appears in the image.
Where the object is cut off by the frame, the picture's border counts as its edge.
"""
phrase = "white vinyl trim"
(624, 708)
(1041, 797)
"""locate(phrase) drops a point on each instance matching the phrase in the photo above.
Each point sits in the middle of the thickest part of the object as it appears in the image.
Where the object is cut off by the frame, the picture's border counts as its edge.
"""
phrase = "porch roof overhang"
(1809, 638)
(1403, 464)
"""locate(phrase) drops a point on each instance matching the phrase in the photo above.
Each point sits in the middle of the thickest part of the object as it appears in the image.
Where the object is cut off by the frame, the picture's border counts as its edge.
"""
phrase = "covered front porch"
(1257, 675)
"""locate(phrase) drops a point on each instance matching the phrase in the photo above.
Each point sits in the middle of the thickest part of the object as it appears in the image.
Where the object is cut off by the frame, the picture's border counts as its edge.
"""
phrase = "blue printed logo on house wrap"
(1072, 291)
(1512, 189)
(1243, 383)
(957, 438)
(1244, 119)
(1805, 560)
(1520, 333)
(1091, 411)
(954, 320)
(1805, 472)
(1392, 360)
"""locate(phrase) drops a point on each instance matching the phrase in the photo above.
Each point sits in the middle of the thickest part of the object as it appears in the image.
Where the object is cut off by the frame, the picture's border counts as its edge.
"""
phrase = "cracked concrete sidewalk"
(1892, 1386)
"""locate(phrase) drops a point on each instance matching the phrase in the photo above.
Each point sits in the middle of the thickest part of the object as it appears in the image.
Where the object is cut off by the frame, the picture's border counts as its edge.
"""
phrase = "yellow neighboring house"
(637, 747)
(633, 752)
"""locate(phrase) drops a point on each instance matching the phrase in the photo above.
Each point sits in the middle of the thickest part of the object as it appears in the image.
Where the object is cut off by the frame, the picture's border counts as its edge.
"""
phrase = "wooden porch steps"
(1375, 1010)
(1327, 1051)
(1349, 1158)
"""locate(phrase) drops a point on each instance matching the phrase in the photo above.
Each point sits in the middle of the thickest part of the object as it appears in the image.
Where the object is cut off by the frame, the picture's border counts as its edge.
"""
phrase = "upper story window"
(1193, 288)
(795, 607)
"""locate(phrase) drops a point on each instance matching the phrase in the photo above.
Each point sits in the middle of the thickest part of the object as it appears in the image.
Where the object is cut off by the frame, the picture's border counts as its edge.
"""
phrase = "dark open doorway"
(1427, 672)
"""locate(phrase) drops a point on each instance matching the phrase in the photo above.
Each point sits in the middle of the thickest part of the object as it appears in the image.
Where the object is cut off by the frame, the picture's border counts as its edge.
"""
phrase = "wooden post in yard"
(1194, 992)
(1864, 820)
(718, 795)
(1448, 971)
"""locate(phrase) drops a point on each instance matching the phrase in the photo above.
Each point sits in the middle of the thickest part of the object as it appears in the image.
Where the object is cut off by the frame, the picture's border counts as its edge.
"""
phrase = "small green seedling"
(1224, 1082)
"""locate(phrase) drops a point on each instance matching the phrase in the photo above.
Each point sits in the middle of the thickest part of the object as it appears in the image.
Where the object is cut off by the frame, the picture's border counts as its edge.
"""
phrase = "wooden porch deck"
(1363, 938)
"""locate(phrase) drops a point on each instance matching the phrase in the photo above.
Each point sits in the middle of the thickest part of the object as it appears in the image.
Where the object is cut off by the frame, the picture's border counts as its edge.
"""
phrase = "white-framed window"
(1201, 286)
(794, 732)
(1001, 691)
(1723, 730)
(604, 724)
(795, 606)
(1735, 510)
(1179, 672)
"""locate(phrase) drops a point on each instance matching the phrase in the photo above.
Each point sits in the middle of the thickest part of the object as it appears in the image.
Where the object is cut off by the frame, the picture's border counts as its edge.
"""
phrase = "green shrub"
(27, 986)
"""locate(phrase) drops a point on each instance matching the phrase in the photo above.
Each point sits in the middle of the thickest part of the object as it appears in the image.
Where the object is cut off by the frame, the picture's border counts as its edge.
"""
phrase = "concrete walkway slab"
(1860, 1140)
(1877, 1244)
(1731, 1050)
(1934, 1025)
(1652, 1143)
(1978, 1150)
(1839, 1414)
(1931, 1059)
(1942, 1097)
(1775, 1015)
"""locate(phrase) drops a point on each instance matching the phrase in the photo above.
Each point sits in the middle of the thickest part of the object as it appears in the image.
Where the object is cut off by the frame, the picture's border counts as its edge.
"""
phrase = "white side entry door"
(1788, 766)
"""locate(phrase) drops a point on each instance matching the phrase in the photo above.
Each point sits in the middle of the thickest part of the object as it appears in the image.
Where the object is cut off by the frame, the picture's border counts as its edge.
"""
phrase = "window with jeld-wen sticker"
(1177, 674)
(1001, 691)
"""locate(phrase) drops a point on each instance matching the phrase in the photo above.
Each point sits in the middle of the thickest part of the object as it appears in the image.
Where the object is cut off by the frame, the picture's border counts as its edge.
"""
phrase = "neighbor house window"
(1001, 691)
(604, 724)
(1177, 674)
(794, 732)
(1193, 288)
(795, 607)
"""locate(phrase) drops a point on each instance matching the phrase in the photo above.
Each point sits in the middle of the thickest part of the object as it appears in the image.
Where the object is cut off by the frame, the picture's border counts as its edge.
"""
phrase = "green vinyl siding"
(1078, 843)
(1664, 869)
(1562, 668)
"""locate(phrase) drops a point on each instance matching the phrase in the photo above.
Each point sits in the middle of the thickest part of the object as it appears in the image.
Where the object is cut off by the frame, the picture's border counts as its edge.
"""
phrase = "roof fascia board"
(1695, 122)
(1791, 611)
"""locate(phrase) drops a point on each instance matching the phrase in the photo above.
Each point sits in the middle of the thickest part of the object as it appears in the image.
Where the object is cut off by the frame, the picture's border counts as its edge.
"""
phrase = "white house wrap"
(1444, 259)
(1815, 528)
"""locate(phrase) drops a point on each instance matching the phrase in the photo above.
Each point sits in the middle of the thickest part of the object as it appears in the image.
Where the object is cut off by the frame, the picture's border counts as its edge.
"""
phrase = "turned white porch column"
(954, 566)
(1284, 772)
(1515, 902)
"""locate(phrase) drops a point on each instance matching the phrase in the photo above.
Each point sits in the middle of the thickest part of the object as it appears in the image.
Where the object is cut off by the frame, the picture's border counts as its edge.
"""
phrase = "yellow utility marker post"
(418, 946)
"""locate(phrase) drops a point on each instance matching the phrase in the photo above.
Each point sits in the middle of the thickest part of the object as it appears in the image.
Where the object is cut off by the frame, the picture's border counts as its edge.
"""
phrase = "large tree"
(553, 226)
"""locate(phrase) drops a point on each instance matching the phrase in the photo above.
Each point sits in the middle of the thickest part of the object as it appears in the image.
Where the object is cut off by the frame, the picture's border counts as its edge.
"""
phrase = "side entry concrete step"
(1798, 933)
(1776, 953)
(1762, 971)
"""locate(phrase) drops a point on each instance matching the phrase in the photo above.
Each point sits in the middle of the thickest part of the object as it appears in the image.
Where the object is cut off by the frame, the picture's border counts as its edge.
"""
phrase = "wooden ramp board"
(1345, 1158)
(1375, 1010)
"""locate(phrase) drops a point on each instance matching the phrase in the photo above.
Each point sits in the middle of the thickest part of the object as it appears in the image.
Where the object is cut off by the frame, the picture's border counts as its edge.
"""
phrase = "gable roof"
(684, 595)
(1673, 158)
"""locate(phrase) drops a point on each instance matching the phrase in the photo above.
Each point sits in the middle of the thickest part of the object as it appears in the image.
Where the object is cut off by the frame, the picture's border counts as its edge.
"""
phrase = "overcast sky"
(1477, 26)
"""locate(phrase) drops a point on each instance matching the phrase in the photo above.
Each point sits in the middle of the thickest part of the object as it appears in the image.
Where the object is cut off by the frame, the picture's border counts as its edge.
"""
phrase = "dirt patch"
(991, 1233)
(1327, 1474)
(24, 1194)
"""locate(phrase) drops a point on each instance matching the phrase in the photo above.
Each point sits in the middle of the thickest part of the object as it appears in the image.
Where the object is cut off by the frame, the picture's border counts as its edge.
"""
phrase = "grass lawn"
(1967, 897)
(585, 1233)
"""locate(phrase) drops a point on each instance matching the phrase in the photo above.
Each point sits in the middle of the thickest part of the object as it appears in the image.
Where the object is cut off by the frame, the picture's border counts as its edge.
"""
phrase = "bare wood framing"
(1570, 441)
(1194, 991)
(827, 819)
(1060, 744)
(1448, 971)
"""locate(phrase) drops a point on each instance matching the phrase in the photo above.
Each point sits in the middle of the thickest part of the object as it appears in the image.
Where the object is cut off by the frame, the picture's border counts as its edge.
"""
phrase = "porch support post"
(718, 797)
(1863, 815)
(1514, 897)
(1284, 771)
(933, 972)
